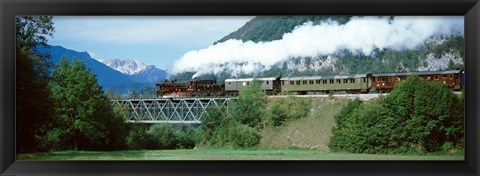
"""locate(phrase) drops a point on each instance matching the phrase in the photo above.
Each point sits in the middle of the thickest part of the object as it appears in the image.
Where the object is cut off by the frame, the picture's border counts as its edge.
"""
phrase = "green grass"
(226, 154)
(311, 132)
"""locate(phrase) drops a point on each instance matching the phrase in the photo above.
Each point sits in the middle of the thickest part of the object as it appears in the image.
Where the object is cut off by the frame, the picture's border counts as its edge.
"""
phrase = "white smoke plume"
(360, 34)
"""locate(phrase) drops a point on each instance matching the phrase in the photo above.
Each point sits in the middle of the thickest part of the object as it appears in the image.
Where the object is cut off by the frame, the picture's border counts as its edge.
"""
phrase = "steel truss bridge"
(168, 110)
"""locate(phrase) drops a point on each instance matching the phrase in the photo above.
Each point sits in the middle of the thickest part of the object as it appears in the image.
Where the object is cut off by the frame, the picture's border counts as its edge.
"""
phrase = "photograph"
(240, 87)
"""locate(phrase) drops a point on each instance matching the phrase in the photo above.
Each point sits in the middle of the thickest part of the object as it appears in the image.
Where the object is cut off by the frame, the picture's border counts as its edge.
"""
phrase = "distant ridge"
(106, 76)
(141, 75)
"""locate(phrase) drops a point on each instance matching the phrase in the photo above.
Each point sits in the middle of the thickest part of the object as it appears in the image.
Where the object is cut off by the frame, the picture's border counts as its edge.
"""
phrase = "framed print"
(239, 87)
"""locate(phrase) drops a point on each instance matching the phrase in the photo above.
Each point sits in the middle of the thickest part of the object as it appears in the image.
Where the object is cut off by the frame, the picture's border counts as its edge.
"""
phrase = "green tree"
(237, 127)
(250, 106)
(431, 109)
(162, 135)
(33, 106)
(418, 116)
(84, 117)
(211, 121)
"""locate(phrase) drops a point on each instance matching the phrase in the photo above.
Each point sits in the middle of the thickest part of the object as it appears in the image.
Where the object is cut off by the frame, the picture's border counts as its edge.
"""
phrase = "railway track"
(363, 97)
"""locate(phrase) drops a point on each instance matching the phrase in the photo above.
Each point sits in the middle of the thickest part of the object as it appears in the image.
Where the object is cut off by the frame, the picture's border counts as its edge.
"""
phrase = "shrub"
(289, 108)
(418, 116)
(244, 136)
(186, 136)
(278, 113)
(232, 134)
(211, 120)
(250, 106)
(341, 117)
(236, 127)
(138, 138)
(162, 134)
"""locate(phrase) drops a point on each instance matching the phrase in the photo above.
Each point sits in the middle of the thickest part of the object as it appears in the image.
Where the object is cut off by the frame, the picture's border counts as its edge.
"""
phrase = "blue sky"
(154, 40)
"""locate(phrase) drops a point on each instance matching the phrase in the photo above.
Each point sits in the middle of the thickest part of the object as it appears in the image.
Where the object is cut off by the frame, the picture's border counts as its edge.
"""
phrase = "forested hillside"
(268, 28)
(440, 52)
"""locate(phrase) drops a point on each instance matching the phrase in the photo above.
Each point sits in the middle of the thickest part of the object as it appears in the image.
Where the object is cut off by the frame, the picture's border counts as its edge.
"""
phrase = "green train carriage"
(270, 85)
(353, 83)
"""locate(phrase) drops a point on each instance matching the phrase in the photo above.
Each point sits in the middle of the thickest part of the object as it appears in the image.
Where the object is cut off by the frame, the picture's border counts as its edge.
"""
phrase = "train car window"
(331, 81)
(383, 79)
(229, 83)
(364, 80)
(324, 81)
(268, 82)
(283, 83)
(292, 82)
(305, 82)
(311, 81)
(317, 81)
(298, 82)
(450, 77)
(377, 79)
(444, 77)
(248, 83)
(436, 77)
(390, 79)
(352, 80)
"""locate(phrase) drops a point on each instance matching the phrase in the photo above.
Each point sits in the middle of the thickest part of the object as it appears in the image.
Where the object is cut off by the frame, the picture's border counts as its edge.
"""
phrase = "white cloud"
(360, 34)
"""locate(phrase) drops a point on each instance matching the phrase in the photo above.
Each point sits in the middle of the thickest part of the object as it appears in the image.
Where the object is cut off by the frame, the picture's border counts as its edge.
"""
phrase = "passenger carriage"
(353, 83)
(270, 85)
(385, 82)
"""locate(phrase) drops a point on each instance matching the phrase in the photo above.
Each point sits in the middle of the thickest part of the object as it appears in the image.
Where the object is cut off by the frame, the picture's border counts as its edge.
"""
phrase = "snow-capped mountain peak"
(129, 66)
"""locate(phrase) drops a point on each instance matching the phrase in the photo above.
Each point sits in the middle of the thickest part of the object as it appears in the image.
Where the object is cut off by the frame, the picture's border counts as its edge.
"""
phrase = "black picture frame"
(9, 8)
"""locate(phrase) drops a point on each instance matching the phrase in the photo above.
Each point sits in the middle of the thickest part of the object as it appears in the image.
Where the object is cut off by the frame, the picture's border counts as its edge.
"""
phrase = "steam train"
(351, 83)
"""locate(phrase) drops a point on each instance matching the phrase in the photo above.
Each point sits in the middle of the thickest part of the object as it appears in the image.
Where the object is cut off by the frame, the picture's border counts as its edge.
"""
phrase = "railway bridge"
(190, 110)
(168, 110)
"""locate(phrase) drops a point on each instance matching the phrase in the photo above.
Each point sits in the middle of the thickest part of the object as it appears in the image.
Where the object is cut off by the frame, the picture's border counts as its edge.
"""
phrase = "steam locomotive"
(351, 83)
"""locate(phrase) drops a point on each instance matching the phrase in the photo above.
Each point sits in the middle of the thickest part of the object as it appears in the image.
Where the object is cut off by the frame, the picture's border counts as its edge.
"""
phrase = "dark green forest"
(268, 28)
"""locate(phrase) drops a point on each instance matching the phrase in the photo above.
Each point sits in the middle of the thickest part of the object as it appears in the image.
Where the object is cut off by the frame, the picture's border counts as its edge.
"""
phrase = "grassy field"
(311, 132)
(225, 154)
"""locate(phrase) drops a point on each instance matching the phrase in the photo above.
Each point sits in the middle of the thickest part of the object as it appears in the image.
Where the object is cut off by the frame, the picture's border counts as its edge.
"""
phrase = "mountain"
(106, 76)
(268, 28)
(136, 70)
(150, 74)
(439, 52)
(135, 76)
(128, 67)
